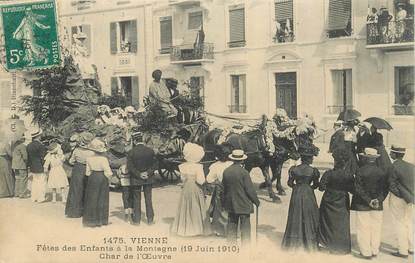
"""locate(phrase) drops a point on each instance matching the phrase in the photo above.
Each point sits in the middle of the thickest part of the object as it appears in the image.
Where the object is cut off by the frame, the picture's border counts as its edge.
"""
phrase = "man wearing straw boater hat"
(140, 165)
(401, 201)
(36, 151)
(371, 188)
(239, 195)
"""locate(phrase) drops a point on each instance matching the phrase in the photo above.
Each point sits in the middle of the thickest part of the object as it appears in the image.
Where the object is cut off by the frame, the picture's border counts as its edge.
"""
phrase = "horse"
(253, 144)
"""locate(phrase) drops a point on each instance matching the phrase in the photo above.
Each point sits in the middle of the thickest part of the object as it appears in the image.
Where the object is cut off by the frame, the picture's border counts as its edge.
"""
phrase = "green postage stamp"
(31, 35)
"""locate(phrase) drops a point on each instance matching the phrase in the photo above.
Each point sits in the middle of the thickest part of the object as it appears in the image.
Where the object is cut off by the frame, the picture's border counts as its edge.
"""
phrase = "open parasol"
(379, 123)
(348, 115)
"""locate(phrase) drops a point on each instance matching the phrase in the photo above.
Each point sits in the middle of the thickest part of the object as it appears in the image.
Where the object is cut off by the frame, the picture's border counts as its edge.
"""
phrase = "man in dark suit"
(401, 184)
(371, 189)
(140, 166)
(238, 196)
(36, 152)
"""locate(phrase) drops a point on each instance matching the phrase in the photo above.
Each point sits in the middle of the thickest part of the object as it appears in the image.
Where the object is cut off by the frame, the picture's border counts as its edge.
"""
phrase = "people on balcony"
(383, 23)
(284, 33)
(372, 26)
(401, 16)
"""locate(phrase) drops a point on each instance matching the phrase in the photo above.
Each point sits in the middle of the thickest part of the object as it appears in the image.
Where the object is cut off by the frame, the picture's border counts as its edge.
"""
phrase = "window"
(195, 20)
(404, 91)
(82, 35)
(166, 36)
(123, 37)
(238, 94)
(126, 86)
(284, 21)
(236, 27)
(342, 91)
(340, 18)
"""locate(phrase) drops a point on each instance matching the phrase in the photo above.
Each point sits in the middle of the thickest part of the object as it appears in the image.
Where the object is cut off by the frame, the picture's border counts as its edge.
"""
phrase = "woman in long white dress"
(191, 217)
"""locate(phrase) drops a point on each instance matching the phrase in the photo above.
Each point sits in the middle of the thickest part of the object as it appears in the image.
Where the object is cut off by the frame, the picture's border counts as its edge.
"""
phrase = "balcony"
(403, 109)
(192, 54)
(336, 109)
(237, 108)
(184, 3)
(395, 35)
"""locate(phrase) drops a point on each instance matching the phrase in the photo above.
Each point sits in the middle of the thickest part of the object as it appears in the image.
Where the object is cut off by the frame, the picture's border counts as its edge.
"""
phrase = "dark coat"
(141, 159)
(401, 180)
(239, 192)
(371, 182)
(36, 152)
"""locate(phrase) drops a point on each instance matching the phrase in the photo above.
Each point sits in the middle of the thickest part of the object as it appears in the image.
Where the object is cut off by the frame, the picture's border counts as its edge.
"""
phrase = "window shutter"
(133, 38)
(74, 30)
(195, 20)
(135, 91)
(237, 25)
(166, 35)
(283, 10)
(339, 14)
(113, 37)
(86, 29)
(114, 86)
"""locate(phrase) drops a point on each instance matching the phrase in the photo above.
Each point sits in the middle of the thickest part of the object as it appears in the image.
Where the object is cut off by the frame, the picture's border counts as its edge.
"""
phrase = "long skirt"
(6, 178)
(75, 199)
(334, 231)
(96, 205)
(191, 217)
(301, 231)
(217, 212)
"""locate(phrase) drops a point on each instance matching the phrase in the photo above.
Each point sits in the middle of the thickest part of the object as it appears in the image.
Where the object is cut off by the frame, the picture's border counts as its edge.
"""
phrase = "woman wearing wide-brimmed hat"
(191, 217)
(301, 231)
(6, 179)
(74, 203)
(57, 179)
(98, 170)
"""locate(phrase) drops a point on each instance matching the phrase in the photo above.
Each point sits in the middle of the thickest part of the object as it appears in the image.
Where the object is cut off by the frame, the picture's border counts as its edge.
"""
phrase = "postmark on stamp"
(30, 35)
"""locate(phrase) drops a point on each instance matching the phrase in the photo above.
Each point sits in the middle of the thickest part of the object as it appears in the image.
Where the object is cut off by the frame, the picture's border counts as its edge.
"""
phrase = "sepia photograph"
(207, 131)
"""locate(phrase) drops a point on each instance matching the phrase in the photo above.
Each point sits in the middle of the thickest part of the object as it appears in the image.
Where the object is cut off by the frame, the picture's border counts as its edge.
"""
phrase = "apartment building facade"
(249, 57)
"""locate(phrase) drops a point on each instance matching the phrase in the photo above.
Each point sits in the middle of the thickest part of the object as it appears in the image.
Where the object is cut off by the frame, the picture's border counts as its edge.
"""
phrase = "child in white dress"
(53, 165)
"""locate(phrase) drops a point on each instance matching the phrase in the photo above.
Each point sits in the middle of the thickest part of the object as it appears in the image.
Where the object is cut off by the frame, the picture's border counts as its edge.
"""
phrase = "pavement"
(32, 232)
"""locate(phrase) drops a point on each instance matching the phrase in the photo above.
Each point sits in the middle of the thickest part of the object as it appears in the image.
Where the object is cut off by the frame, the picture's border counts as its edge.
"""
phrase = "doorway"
(286, 90)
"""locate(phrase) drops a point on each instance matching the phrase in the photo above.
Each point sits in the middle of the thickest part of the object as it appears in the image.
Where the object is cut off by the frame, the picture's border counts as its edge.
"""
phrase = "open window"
(123, 37)
(404, 91)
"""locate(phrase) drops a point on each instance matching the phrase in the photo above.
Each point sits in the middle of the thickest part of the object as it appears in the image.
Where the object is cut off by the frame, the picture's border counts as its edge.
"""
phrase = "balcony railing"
(403, 109)
(192, 52)
(284, 33)
(392, 32)
(336, 109)
(237, 108)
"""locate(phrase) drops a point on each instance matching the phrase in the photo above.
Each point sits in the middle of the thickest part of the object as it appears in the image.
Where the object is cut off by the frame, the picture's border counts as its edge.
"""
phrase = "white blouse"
(216, 171)
(98, 164)
(193, 171)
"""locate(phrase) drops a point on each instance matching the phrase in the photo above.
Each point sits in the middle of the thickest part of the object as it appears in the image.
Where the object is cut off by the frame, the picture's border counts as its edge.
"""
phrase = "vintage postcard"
(206, 131)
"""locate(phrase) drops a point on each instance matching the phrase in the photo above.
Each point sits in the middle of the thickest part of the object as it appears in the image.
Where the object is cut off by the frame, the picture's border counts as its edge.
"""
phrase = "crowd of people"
(381, 30)
(362, 168)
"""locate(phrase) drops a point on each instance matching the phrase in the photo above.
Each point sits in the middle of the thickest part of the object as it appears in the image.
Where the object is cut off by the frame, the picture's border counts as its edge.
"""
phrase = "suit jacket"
(239, 192)
(36, 152)
(371, 182)
(19, 159)
(140, 159)
(401, 180)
